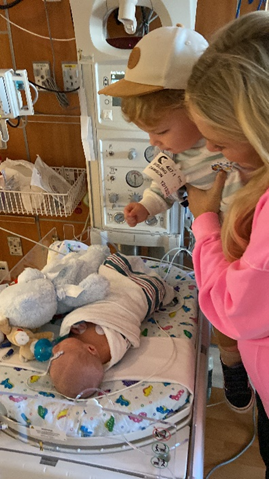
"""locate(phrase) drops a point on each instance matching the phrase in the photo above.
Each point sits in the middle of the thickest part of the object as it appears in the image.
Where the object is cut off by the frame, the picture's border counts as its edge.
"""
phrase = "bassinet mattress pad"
(125, 404)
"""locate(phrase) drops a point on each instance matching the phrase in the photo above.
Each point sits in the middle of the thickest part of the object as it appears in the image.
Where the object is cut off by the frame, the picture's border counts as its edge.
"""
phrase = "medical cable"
(36, 92)
(52, 90)
(171, 263)
(49, 248)
(51, 82)
(85, 229)
(36, 34)
(229, 461)
(12, 124)
(10, 5)
(215, 404)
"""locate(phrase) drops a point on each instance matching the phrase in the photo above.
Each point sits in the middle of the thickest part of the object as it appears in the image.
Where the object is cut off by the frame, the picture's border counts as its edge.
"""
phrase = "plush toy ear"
(30, 274)
(29, 304)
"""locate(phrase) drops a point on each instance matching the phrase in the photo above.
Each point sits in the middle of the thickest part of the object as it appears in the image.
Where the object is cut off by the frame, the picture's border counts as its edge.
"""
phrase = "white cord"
(179, 250)
(36, 34)
(224, 463)
(215, 404)
(36, 92)
(49, 248)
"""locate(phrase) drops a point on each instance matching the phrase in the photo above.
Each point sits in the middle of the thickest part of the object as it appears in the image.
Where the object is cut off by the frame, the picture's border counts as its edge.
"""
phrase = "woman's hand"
(201, 201)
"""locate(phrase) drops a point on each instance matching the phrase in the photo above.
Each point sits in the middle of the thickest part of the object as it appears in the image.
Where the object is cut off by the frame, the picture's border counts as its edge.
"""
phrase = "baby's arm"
(153, 202)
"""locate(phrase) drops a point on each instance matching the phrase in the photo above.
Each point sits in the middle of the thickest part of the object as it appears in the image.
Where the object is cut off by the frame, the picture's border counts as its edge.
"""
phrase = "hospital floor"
(227, 433)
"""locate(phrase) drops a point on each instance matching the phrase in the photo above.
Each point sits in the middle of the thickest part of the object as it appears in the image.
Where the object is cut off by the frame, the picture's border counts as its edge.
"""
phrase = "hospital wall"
(54, 132)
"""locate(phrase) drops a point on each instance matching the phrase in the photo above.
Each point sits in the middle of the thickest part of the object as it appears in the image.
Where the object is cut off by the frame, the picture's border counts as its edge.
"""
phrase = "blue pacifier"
(43, 348)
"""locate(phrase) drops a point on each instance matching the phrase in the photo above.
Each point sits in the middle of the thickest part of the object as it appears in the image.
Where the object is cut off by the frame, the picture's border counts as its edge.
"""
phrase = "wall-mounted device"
(117, 152)
(15, 98)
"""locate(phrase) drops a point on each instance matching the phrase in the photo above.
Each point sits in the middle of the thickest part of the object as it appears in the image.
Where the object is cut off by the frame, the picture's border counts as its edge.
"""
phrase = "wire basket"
(47, 204)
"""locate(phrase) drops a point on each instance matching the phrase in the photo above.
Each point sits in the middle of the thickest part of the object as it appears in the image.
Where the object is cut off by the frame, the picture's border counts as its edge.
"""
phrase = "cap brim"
(123, 88)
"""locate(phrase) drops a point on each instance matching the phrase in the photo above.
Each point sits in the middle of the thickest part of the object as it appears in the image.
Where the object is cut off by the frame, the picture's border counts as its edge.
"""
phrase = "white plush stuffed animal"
(64, 284)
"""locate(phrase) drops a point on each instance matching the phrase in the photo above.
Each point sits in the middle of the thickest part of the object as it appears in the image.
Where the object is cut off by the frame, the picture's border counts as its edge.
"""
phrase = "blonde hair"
(229, 88)
(149, 109)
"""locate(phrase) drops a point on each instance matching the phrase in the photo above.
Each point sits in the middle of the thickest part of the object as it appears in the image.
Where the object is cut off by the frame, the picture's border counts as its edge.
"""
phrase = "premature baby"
(100, 333)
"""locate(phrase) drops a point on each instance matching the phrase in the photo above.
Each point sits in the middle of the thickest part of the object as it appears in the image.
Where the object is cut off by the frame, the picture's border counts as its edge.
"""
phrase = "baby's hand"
(135, 213)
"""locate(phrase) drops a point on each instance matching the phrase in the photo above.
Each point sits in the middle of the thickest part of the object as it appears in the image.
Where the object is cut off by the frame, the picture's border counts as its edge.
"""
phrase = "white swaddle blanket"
(157, 359)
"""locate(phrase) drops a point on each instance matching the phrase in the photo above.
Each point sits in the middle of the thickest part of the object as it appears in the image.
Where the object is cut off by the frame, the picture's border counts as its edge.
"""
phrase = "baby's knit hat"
(162, 59)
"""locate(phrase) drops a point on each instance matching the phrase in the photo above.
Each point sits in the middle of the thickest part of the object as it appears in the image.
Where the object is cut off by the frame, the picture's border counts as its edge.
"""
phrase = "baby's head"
(76, 368)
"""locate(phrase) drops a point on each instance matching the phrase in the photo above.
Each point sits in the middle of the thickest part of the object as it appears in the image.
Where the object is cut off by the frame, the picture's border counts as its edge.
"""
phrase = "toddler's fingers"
(130, 210)
(131, 221)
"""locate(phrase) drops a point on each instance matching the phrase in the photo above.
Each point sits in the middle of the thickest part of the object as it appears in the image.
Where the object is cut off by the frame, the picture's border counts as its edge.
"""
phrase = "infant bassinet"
(155, 423)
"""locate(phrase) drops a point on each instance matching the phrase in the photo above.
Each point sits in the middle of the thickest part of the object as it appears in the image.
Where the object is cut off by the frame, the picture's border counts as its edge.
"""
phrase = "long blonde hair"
(229, 89)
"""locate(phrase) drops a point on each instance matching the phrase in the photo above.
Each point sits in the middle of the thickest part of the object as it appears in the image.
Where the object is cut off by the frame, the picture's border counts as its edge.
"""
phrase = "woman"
(228, 99)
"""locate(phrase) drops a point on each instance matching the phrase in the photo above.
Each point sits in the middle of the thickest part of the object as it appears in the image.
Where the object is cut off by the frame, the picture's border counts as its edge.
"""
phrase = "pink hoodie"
(235, 296)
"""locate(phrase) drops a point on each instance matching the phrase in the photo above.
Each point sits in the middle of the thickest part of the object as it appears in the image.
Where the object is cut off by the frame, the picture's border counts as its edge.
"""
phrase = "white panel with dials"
(123, 180)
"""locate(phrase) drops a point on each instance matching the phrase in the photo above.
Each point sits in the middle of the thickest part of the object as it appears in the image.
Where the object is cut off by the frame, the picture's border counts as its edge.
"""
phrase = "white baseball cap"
(162, 59)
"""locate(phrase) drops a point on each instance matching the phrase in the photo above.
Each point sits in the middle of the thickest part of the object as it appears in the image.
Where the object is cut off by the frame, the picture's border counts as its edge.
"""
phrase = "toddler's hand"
(201, 201)
(135, 213)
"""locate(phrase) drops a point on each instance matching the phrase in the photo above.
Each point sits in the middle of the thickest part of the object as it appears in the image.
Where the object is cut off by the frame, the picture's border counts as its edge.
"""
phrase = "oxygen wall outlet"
(15, 247)
(41, 72)
(70, 76)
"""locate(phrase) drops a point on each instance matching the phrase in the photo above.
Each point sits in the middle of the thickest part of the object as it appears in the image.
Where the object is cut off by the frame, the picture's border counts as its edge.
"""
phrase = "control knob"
(132, 154)
(113, 197)
(151, 221)
(136, 197)
(119, 218)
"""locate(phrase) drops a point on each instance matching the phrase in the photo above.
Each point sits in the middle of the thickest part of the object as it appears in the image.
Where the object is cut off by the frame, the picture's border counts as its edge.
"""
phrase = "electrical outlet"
(15, 247)
(70, 76)
(4, 271)
(41, 72)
